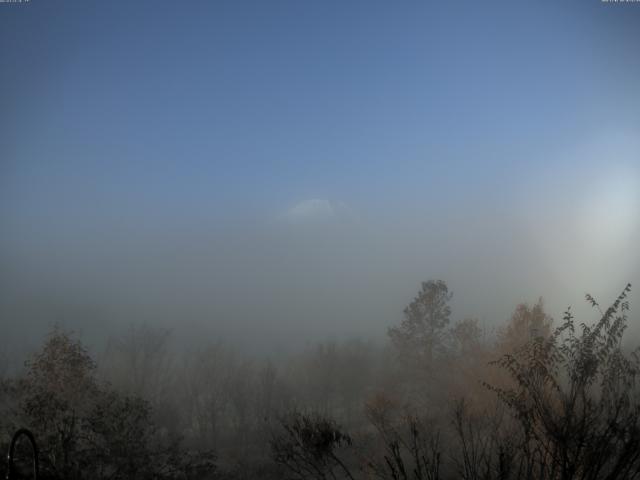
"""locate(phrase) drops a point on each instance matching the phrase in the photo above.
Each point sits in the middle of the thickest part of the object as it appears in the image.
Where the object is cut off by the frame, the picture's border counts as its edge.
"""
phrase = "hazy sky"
(295, 169)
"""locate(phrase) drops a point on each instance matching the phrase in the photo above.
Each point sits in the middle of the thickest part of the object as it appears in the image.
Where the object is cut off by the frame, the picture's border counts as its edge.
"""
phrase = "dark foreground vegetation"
(534, 400)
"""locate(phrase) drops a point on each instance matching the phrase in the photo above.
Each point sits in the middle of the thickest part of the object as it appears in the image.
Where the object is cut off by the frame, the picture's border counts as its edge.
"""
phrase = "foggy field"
(319, 240)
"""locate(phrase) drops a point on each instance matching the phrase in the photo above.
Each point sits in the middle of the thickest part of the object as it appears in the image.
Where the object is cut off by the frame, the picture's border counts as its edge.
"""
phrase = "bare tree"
(140, 362)
(205, 386)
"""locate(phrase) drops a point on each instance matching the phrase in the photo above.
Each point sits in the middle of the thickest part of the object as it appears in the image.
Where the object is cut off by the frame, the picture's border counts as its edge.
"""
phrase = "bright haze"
(272, 173)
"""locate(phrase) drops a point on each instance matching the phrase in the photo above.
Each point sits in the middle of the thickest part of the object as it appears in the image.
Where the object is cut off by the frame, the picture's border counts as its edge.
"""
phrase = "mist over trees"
(443, 398)
(330, 240)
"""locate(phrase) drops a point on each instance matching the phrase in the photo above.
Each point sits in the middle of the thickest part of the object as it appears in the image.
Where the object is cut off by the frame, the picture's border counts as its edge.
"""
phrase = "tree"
(467, 362)
(422, 331)
(466, 337)
(575, 396)
(205, 385)
(60, 391)
(525, 324)
(140, 361)
(84, 428)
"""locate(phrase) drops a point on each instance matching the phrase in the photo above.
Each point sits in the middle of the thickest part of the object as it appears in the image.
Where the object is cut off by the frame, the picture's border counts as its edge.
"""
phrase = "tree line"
(536, 399)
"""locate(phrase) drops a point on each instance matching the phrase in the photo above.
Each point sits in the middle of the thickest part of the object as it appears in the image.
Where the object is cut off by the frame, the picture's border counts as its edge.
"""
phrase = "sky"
(278, 170)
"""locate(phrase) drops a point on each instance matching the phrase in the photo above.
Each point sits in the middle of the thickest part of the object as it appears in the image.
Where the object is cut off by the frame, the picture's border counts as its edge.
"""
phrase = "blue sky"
(195, 116)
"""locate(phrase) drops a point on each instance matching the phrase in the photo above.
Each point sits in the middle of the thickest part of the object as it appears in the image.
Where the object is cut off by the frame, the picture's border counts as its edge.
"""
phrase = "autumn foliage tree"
(526, 323)
(574, 394)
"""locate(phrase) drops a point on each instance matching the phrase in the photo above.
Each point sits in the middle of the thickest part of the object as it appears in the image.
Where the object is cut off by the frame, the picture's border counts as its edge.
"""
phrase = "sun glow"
(585, 224)
(612, 214)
